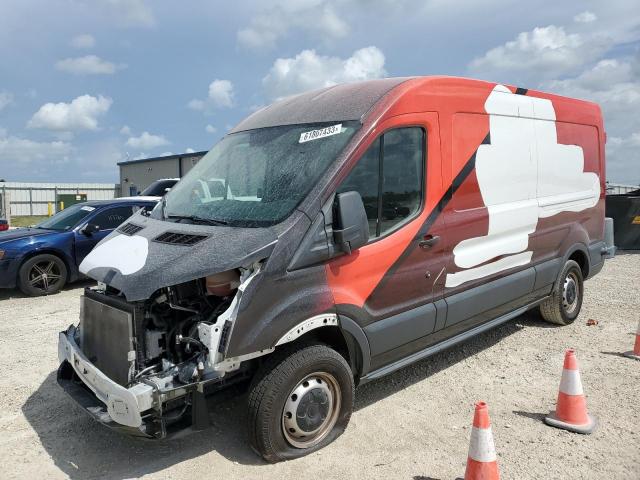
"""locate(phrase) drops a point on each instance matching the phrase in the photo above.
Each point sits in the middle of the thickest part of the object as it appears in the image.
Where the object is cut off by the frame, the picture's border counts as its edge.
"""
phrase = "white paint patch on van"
(523, 175)
(128, 254)
(505, 263)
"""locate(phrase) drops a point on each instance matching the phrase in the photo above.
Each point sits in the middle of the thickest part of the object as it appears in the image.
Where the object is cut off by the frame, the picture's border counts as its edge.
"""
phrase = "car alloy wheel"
(45, 276)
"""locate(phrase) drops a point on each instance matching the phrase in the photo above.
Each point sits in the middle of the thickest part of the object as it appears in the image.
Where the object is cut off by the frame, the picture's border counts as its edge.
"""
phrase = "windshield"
(257, 177)
(67, 218)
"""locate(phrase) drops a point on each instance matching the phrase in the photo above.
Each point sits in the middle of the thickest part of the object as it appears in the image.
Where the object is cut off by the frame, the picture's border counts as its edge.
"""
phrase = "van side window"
(389, 178)
(364, 179)
(402, 167)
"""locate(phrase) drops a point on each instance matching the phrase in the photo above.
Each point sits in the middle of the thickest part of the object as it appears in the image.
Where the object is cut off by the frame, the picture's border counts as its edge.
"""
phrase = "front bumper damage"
(107, 402)
(143, 409)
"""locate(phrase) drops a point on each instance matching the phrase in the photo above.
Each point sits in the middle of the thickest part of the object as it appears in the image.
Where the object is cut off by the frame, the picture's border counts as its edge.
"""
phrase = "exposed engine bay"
(168, 349)
(181, 325)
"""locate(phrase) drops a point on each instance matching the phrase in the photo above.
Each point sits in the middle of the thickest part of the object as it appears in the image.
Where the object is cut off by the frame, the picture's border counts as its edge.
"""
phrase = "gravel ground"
(414, 424)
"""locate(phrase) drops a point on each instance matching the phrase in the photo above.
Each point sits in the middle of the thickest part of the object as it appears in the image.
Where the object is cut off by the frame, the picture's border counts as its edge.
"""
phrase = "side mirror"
(351, 227)
(90, 229)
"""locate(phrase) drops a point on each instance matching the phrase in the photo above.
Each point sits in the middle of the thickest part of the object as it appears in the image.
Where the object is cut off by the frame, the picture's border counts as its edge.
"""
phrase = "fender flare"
(353, 329)
(582, 248)
(349, 329)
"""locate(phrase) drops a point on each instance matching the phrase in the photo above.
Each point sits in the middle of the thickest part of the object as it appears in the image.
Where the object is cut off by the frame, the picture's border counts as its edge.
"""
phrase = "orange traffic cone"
(571, 409)
(481, 461)
(635, 353)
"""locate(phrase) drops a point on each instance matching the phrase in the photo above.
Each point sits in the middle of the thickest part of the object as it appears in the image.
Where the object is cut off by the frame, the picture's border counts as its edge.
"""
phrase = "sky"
(85, 84)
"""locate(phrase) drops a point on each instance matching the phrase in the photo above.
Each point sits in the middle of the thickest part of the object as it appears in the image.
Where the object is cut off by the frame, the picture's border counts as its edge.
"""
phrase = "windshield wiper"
(196, 219)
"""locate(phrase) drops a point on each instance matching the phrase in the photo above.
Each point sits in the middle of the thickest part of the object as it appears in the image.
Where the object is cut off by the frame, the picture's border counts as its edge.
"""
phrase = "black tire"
(42, 275)
(565, 302)
(272, 388)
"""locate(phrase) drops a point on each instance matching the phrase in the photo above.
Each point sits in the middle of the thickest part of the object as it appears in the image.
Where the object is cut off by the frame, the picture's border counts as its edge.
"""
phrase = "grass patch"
(26, 220)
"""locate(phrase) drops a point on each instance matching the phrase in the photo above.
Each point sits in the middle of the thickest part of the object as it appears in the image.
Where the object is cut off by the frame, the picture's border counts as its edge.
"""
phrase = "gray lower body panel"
(450, 342)
(486, 297)
(401, 336)
(397, 330)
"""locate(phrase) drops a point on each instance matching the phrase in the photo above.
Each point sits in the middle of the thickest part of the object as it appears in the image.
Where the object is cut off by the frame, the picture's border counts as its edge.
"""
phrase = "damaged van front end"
(138, 368)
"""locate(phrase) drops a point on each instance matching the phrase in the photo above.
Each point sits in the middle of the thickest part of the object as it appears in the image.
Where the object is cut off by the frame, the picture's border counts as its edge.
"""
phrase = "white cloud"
(83, 41)
(21, 150)
(615, 85)
(189, 150)
(308, 71)
(196, 104)
(543, 52)
(130, 13)
(147, 141)
(583, 59)
(221, 95)
(585, 17)
(276, 21)
(612, 83)
(622, 155)
(88, 65)
(125, 130)
(81, 114)
(6, 99)
(210, 129)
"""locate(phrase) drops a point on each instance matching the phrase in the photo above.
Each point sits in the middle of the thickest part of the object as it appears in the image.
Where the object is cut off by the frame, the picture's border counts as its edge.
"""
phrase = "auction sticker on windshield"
(320, 133)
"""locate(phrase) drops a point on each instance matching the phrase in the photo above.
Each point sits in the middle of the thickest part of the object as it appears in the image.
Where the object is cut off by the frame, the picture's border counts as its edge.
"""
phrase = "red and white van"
(357, 229)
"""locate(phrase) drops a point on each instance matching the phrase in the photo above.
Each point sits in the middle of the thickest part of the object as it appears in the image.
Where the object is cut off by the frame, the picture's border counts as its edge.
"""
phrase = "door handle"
(429, 241)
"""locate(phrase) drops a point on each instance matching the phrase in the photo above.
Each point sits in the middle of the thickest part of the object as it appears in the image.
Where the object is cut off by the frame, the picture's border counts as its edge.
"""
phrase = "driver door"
(106, 219)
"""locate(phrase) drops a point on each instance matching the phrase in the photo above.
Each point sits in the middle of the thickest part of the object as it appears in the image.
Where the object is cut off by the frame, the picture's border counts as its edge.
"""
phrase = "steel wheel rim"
(45, 275)
(570, 293)
(304, 422)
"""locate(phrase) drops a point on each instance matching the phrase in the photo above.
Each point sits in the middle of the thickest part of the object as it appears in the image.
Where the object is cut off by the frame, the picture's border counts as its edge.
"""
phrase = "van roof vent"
(175, 238)
(130, 229)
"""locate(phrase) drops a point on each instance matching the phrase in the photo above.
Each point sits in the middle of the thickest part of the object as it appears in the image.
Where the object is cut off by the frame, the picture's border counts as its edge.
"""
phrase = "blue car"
(40, 260)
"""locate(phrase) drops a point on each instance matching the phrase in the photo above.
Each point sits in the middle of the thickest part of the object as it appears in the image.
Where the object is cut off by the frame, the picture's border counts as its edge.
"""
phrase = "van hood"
(152, 254)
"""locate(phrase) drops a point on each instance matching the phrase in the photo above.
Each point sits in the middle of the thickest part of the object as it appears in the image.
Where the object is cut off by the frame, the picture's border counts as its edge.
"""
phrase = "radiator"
(106, 336)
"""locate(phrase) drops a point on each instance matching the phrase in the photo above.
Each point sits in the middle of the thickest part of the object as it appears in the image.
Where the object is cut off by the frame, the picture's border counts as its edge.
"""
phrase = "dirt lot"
(414, 424)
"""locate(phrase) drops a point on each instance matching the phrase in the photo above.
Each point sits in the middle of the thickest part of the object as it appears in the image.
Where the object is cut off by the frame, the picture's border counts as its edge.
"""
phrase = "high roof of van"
(347, 101)
(353, 101)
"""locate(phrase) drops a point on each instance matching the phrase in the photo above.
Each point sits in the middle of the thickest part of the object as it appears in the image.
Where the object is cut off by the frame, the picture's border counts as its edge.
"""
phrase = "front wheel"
(565, 302)
(300, 401)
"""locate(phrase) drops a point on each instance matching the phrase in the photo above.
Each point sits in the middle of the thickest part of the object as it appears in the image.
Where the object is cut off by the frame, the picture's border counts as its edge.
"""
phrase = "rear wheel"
(300, 401)
(565, 302)
(42, 275)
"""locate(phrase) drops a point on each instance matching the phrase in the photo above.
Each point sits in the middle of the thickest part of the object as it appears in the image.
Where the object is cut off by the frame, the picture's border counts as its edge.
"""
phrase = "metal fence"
(618, 188)
(36, 199)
